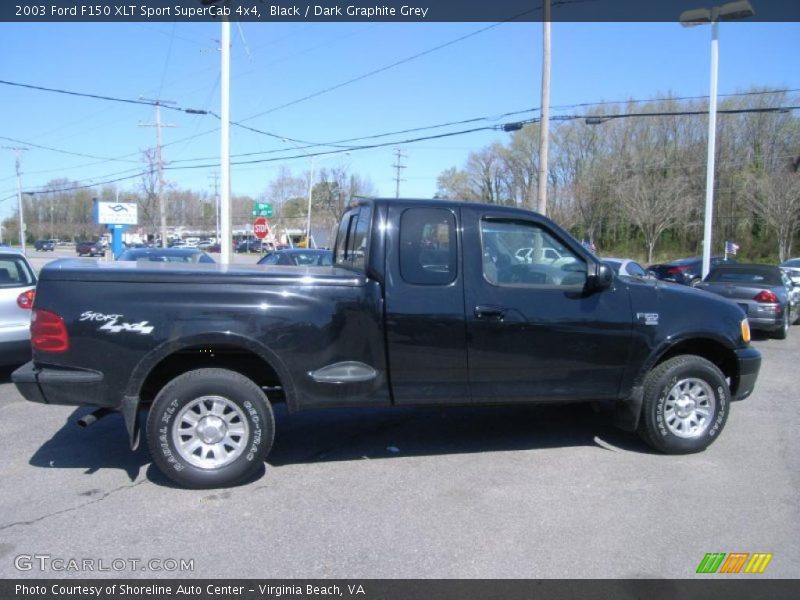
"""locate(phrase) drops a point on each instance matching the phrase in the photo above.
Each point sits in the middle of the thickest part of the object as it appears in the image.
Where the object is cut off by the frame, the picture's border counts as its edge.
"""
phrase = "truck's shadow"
(355, 434)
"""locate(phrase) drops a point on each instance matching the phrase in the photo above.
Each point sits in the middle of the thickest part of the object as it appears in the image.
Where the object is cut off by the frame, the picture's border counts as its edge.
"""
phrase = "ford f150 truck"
(427, 303)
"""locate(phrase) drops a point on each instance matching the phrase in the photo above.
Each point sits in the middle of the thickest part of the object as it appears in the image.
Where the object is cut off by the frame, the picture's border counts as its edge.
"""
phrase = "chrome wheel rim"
(210, 432)
(689, 408)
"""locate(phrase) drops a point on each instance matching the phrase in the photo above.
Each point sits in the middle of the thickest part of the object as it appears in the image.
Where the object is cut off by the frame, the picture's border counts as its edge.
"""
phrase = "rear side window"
(14, 272)
(428, 246)
(352, 241)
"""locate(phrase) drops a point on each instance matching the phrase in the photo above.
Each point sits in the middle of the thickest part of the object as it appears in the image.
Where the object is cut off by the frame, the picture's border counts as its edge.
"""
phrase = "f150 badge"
(647, 318)
(113, 323)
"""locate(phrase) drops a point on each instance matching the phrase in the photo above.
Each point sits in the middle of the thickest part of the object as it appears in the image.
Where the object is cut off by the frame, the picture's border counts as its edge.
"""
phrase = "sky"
(280, 74)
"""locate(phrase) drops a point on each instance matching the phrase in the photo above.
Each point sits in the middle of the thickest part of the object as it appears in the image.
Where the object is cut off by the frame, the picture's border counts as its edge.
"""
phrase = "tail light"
(25, 299)
(48, 332)
(676, 270)
(766, 297)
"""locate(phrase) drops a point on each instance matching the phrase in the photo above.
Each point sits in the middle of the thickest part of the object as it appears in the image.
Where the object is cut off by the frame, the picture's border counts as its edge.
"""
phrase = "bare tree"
(653, 204)
(775, 198)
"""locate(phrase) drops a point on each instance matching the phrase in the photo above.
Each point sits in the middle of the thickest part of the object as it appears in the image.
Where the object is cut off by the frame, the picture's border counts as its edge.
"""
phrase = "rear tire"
(685, 405)
(783, 332)
(210, 428)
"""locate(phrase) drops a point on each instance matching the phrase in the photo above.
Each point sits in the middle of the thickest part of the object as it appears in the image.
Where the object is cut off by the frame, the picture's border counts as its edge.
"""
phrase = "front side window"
(428, 252)
(524, 253)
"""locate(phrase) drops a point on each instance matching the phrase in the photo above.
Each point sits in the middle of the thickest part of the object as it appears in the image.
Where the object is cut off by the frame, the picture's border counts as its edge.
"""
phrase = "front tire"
(210, 428)
(685, 406)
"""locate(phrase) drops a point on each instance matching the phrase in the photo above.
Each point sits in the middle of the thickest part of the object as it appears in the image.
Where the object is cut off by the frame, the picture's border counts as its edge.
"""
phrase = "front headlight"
(745, 330)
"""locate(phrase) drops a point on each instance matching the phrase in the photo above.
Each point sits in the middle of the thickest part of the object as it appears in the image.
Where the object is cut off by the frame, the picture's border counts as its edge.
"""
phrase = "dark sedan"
(170, 255)
(764, 292)
(90, 249)
(44, 245)
(687, 271)
(299, 257)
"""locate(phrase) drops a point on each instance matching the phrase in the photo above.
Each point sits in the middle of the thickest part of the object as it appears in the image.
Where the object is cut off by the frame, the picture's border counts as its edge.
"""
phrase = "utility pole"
(544, 123)
(162, 203)
(215, 177)
(18, 152)
(398, 156)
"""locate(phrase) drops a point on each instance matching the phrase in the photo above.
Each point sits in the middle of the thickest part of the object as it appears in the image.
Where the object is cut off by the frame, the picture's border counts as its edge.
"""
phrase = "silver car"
(17, 288)
(764, 292)
(792, 268)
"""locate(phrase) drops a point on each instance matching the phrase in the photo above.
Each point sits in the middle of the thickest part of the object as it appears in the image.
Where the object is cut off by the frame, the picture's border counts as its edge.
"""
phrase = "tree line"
(635, 186)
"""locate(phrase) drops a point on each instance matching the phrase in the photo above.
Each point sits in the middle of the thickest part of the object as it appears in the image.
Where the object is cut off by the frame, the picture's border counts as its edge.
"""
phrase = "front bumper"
(60, 386)
(749, 360)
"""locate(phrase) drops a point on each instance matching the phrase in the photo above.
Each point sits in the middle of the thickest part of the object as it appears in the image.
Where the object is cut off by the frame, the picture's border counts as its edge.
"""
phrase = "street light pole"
(712, 145)
(699, 16)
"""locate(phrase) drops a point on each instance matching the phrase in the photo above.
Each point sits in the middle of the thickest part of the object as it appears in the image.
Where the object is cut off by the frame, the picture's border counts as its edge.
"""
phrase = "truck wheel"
(210, 428)
(685, 405)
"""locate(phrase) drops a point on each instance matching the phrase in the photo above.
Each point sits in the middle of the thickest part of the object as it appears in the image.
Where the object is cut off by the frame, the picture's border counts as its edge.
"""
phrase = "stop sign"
(261, 228)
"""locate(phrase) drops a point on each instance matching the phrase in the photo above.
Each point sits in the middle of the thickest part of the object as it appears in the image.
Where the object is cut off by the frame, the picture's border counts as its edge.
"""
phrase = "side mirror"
(601, 279)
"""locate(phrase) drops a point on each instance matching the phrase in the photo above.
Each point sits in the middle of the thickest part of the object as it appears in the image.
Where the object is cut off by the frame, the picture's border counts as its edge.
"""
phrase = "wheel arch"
(716, 350)
(215, 350)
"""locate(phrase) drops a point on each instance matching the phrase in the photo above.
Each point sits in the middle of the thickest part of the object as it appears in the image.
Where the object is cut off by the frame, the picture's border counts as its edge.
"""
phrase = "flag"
(731, 248)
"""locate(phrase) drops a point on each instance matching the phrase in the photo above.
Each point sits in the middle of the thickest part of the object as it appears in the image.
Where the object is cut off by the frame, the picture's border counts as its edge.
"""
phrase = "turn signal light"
(746, 331)
(25, 299)
(48, 332)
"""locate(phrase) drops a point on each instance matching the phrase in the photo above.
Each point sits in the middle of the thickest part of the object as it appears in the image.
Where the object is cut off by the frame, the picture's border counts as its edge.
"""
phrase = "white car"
(17, 290)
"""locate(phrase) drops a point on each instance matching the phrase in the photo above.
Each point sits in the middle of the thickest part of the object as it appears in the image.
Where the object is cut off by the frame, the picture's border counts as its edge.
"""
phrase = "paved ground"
(518, 492)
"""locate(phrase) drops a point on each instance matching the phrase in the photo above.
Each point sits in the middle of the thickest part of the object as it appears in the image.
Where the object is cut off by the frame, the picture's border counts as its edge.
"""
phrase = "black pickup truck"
(427, 303)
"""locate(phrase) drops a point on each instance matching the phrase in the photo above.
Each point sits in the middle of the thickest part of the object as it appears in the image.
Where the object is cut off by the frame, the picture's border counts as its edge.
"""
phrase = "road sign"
(261, 228)
(262, 209)
(116, 213)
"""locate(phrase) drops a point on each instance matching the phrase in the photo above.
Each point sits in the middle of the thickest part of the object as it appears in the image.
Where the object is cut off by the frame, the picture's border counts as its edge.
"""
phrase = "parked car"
(526, 255)
(170, 255)
(94, 248)
(299, 257)
(44, 245)
(628, 267)
(687, 271)
(250, 246)
(17, 290)
(764, 292)
(792, 268)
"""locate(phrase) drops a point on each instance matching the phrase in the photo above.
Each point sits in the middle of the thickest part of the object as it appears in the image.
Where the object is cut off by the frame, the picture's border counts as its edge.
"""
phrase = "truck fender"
(132, 399)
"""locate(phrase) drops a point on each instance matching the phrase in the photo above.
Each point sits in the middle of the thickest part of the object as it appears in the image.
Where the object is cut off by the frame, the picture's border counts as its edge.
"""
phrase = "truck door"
(425, 327)
(534, 333)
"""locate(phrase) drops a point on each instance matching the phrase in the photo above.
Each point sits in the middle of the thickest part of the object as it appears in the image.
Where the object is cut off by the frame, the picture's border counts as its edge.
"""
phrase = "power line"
(99, 97)
(51, 149)
(503, 127)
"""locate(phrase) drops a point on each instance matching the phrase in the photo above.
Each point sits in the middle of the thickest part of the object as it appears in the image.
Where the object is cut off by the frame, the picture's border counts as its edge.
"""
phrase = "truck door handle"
(488, 312)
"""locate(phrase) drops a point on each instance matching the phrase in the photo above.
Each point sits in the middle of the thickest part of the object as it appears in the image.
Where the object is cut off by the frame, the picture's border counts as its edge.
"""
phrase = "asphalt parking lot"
(503, 492)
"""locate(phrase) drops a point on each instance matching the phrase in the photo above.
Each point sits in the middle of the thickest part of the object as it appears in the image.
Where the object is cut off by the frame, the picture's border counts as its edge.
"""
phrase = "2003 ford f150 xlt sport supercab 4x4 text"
(428, 303)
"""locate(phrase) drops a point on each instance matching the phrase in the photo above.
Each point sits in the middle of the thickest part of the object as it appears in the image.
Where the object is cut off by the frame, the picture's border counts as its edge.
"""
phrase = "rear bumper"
(749, 360)
(60, 386)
